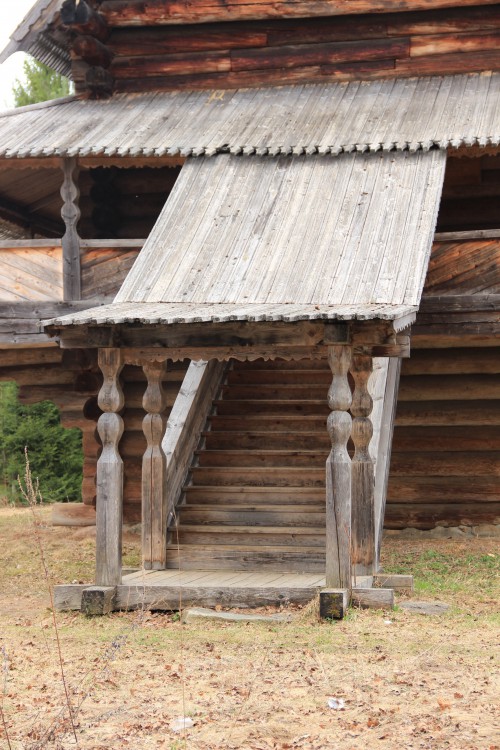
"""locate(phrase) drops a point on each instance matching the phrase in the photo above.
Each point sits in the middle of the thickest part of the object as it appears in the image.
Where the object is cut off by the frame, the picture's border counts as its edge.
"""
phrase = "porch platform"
(171, 590)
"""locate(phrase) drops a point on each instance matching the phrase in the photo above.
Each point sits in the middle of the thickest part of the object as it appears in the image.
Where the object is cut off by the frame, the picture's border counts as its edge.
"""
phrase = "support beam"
(384, 452)
(70, 213)
(109, 495)
(92, 51)
(363, 469)
(154, 496)
(338, 473)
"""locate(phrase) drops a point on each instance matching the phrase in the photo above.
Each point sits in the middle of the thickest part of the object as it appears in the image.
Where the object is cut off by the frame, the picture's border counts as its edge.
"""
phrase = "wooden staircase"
(256, 495)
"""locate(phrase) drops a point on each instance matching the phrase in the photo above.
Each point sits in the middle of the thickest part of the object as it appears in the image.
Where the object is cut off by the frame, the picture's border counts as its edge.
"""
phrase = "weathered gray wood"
(186, 422)
(383, 459)
(333, 603)
(338, 473)
(363, 470)
(109, 479)
(70, 213)
(154, 506)
(98, 600)
(372, 598)
(396, 581)
(170, 598)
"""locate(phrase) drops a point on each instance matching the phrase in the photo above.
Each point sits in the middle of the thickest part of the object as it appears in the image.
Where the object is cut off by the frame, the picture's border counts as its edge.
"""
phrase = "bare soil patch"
(407, 681)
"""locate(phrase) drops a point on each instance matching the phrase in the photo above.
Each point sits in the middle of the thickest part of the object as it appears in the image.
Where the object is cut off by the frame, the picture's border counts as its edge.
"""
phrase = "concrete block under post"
(333, 603)
(98, 600)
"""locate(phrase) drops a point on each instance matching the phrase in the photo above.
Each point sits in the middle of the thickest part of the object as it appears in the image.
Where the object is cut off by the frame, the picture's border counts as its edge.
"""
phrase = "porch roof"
(397, 114)
(286, 238)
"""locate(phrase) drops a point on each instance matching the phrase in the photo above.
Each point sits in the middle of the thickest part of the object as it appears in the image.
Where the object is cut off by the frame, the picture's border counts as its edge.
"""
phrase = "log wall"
(279, 50)
(445, 467)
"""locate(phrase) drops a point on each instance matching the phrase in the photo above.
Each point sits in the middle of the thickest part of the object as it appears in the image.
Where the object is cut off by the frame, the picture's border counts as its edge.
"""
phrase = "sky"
(11, 15)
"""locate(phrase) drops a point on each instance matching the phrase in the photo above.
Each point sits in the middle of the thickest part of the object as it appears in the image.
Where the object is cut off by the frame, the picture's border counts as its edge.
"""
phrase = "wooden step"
(242, 495)
(250, 515)
(279, 392)
(279, 378)
(279, 364)
(290, 408)
(227, 557)
(447, 388)
(251, 536)
(263, 458)
(265, 440)
(255, 477)
(270, 422)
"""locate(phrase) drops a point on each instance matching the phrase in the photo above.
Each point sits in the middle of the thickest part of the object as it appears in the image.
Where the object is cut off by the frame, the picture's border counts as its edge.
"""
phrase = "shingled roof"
(330, 118)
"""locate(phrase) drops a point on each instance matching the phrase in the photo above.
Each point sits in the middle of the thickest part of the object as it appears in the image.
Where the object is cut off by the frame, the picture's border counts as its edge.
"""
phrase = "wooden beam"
(80, 17)
(92, 51)
(162, 12)
(154, 497)
(338, 473)
(70, 213)
(363, 470)
(109, 481)
(383, 458)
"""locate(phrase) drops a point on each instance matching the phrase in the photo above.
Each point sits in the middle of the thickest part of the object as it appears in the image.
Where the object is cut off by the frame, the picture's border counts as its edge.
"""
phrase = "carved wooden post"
(154, 499)
(109, 498)
(363, 474)
(70, 213)
(338, 473)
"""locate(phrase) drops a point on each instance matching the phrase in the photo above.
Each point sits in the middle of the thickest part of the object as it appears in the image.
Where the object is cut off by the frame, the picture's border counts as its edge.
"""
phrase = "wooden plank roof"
(287, 238)
(330, 118)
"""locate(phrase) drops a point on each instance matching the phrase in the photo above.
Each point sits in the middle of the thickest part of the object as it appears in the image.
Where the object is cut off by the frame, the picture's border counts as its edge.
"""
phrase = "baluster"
(70, 213)
(109, 495)
(338, 473)
(363, 469)
(154, 499)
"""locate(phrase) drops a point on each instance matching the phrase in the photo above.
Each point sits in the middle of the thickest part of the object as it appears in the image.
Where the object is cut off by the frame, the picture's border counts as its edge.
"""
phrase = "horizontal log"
(441, 44)
(443, 489)
(413, 439)
(138, 13)
(92, 51)
(449, 387)
(302, 55)
(135, 42)
(431, 515)
(452, 362)
(463, 303)
(443, 463)
(53, 375)
(309, 74)
(25, 357)
(447, 64)
(448, 413)
(178, 64)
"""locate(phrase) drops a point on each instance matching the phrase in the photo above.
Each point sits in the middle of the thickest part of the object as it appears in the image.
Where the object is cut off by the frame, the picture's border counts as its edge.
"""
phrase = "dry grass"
(407, 681)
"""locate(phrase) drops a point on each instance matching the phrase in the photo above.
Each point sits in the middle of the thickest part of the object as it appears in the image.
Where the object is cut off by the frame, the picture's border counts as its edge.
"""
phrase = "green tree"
(42, 83)
(55, 454)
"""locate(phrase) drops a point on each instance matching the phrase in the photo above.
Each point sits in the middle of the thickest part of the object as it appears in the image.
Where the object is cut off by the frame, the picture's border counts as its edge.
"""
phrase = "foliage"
(55, 453)
(42, 83)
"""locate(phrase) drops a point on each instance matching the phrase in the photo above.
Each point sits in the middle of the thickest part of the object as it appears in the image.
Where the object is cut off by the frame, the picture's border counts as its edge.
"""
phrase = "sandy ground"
(407, 681)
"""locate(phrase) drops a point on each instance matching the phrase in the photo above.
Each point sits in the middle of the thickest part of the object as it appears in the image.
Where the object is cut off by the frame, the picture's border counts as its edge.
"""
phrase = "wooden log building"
(261, 237)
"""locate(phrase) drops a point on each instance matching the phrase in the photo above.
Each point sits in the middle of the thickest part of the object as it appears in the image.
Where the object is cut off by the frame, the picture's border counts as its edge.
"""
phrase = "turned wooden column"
(70, 213)
(154, 498)
(363, 469)
(338, 473)
(109, 496)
